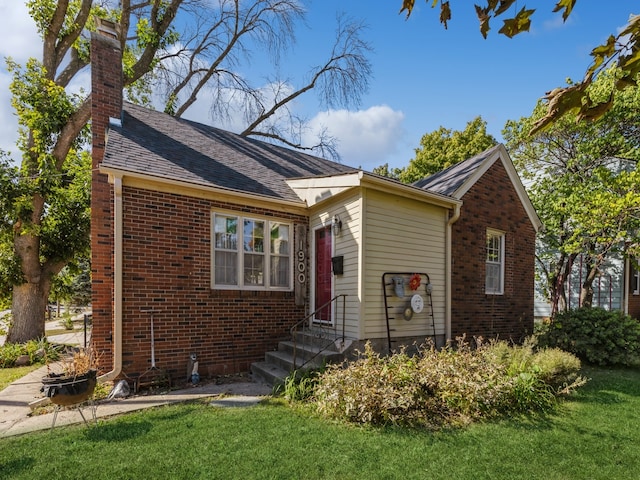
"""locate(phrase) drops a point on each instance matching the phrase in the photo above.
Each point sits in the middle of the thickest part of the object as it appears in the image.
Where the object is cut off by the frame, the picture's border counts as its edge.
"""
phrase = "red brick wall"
(106, 101)
(167, 268)
(492, 203)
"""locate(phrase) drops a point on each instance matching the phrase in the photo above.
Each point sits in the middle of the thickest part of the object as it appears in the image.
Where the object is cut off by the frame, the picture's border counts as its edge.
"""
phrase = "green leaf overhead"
(566, 6)
(445, 13)
(622, 50)
(521, 23)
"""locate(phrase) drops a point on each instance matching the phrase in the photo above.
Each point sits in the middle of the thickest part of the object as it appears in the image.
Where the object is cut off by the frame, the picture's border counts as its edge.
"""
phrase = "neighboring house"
(617, 287)
(210, 243)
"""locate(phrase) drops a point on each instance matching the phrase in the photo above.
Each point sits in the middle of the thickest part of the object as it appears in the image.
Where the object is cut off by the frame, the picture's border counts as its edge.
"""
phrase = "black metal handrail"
(307, 323)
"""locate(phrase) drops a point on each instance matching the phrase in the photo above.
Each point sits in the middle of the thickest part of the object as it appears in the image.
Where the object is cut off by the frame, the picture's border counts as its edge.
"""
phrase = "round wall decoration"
(417, 304)
(415, 280)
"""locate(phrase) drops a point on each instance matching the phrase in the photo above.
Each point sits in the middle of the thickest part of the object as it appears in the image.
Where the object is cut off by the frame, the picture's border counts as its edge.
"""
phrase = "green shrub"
(39, 351)
(554, 367)
(300, 385)
(557, 368)
(67, 321)
(447, 386)
(596, 335)
(9, 353)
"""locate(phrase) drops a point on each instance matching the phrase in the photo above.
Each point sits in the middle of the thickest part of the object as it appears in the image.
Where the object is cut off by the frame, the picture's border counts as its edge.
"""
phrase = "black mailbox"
(337, 264)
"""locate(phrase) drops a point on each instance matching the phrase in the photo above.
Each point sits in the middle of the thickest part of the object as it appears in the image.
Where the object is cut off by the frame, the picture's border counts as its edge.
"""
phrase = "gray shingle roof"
(157, 144)
(448, 181)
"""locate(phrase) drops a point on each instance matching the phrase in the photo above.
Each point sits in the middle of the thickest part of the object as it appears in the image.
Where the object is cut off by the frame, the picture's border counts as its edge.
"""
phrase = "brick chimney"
(106, 104)
(106, 83)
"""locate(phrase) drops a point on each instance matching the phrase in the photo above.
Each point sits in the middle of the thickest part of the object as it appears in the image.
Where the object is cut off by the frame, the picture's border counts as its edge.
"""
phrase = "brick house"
(210, 243)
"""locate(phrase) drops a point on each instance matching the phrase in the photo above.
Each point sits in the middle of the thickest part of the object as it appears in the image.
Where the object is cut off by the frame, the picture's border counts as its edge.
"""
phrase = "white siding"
(347, 245)
(401, 235)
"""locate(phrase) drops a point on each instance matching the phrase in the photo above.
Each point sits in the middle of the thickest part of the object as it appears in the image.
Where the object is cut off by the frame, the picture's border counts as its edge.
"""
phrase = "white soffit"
(314, 190)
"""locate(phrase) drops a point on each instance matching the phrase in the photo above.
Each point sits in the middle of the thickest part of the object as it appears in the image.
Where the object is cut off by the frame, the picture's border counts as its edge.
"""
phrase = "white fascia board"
(318, 189)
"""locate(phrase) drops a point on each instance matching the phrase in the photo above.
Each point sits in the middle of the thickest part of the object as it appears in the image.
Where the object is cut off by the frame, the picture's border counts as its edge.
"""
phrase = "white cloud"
(367, 138)
(20, 41)
(556, 22)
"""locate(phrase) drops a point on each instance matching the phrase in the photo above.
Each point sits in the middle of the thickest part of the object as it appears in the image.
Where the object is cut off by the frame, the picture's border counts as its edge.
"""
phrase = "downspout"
(117, 282)
(448, 259)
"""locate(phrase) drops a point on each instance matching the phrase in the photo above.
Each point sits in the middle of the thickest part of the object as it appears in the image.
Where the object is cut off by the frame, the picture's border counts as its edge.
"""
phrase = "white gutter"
(117, 282)
(448, 258)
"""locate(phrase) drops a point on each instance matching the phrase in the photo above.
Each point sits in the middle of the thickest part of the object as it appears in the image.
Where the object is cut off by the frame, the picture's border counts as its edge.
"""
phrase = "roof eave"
(197, 186)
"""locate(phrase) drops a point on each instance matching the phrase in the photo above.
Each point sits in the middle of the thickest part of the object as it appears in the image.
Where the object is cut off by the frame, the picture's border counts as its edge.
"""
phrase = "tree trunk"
(558, 282)
(28, 310)
(586, 292)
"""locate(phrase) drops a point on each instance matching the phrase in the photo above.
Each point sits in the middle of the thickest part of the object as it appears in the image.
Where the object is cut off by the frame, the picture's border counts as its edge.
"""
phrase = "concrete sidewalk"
(16, 415)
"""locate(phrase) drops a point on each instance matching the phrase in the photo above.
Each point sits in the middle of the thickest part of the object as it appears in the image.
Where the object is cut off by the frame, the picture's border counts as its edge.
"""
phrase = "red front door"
(323, 273)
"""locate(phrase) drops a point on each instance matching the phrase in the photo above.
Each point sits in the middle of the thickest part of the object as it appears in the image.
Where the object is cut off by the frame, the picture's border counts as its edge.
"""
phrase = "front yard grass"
(10, 375)
(593, 435)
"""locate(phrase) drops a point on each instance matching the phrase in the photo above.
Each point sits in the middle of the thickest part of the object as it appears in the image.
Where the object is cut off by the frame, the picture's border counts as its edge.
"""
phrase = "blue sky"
(424, 76)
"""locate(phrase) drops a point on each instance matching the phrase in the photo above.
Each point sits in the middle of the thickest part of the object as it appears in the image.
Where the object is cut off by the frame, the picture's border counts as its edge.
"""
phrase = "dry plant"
(82, 360)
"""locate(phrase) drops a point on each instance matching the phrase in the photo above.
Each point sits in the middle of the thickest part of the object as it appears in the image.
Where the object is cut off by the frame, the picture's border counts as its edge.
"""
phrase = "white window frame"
(240, 253)
(492, 261)
(635, 279)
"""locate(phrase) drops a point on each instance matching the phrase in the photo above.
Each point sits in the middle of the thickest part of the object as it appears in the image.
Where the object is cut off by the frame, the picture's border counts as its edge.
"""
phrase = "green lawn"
(595, 435)
(10, 375)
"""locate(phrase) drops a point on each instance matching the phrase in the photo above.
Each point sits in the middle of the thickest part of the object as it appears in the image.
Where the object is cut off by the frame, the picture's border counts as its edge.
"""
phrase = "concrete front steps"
(313, 350)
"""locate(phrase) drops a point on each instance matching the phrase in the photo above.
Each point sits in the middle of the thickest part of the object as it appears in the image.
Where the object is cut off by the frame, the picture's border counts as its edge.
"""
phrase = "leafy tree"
(73, 284)
(622, 50)
(443, 148)
(44, 203)
(583, 179)
(383, 170)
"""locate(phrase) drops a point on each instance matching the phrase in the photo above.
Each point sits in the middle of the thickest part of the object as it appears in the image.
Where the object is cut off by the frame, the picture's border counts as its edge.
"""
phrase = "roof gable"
(450, 181)
(458, 179)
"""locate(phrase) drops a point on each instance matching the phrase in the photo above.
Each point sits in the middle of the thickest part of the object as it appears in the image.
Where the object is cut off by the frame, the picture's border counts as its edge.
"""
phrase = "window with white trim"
(635, 279)
(494, 277)
(251, 253)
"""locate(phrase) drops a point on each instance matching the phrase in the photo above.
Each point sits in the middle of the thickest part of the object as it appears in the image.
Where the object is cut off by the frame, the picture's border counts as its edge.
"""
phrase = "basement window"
(251, 253)
(494, 276)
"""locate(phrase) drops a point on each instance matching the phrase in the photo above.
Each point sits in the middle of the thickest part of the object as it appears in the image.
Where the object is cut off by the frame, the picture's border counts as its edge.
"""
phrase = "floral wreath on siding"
(415, 281)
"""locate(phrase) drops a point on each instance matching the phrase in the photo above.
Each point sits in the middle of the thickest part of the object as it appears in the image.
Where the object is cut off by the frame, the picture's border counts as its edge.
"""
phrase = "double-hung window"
(251, 253)
(635, 279)
(494, 278)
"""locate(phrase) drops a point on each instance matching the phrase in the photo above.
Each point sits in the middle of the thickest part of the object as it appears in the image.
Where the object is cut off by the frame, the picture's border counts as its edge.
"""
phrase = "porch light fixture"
(336, 225)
